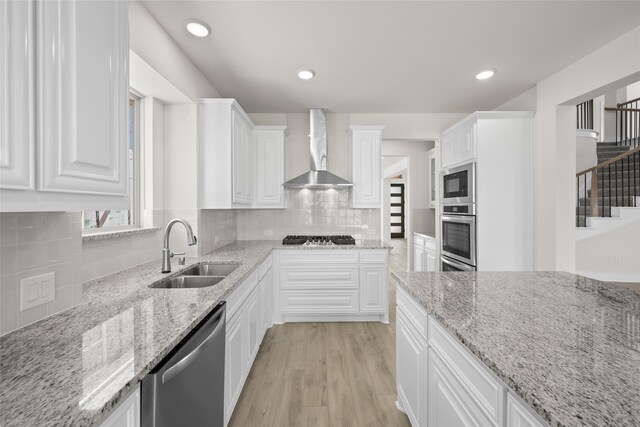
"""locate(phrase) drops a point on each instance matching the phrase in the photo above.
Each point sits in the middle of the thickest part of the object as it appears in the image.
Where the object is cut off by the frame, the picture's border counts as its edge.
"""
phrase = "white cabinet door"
(269, 166)
(373, 288)
(267, 300)
(418, 258)
(242, 172)
(433, 179)
(254, 327)
(17, 97)
(235, 361)
(366, 166)
(82, 57)
(127, 413)
(518, 415)
(448, 144)
(446, 406)
(429, 260)
(410, 348)
(467, 142)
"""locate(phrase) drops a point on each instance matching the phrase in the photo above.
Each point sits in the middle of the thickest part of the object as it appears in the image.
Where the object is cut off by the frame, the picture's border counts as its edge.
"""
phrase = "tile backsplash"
(33, 244)
(310, 212)
(37, 243)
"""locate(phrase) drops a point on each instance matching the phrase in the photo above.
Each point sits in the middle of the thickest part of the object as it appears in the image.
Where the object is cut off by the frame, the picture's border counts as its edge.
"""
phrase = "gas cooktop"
(319, 240)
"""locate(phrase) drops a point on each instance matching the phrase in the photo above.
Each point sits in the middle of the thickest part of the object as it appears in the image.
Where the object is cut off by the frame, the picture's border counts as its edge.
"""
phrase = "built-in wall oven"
(459, 234)
(459, 184)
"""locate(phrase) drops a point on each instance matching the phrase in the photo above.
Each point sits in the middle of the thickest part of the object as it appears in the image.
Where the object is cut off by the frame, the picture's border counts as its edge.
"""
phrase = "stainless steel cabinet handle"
(186, 361)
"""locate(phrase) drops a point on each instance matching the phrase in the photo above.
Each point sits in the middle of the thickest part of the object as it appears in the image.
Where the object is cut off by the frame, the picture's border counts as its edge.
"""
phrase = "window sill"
(114, 234)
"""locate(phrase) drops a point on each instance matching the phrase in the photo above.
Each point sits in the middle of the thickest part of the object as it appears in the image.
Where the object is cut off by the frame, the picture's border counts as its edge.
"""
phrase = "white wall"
(408, 126)
(611, 256)
(152, 43)
(613, 65)
(526, 101)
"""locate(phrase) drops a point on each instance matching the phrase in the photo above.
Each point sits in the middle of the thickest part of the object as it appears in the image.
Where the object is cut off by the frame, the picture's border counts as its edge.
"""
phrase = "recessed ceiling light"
(306, 74)
(198, 28)
(483, 75)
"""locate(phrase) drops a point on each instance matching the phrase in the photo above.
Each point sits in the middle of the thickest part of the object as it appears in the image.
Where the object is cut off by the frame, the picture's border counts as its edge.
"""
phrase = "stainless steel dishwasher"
(187, 387)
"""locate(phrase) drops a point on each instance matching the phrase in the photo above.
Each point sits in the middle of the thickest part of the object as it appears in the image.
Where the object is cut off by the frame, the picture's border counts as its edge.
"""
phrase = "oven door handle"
(456, 264)
(464, 219)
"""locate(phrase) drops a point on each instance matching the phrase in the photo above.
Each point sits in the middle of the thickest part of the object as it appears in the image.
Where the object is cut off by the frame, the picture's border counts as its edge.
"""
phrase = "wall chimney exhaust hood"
(318, 177)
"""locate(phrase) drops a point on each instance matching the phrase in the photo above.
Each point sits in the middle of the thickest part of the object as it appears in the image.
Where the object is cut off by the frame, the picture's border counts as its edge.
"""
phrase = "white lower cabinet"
(410, 346)
(127, 413)
(446, 405)
(254, 326)
(424, 253)
(249, 314)
(441, 383)
(332, 285)
(235, 361)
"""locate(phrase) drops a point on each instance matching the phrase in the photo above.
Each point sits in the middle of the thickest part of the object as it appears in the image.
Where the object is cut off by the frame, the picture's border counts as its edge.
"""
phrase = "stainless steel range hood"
(318, 176)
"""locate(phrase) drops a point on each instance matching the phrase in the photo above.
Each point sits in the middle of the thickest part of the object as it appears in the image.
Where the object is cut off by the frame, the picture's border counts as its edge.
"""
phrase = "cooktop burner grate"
(319, 240)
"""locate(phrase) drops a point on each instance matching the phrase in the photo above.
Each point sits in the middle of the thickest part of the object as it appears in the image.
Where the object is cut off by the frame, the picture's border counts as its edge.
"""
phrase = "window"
(123, 219)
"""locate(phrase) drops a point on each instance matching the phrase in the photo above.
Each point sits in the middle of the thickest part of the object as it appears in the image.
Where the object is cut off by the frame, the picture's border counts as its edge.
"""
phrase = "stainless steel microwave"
(459, 184)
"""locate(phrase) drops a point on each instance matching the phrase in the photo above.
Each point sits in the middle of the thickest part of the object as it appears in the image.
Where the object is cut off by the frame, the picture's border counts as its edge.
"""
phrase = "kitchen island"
(566, 346)
(75, 367)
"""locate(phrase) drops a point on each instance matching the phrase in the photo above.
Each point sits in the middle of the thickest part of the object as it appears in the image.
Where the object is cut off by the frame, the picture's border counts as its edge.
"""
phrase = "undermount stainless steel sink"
(183, 282)
(210, 270)
(197, 276)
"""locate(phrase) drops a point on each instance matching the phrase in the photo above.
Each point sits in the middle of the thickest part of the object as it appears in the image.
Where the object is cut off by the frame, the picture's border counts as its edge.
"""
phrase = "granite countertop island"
(74, 367)
(568, 345)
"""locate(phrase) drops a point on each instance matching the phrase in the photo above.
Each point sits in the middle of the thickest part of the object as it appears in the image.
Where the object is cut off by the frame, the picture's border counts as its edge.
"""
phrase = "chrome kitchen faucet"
(166, 252)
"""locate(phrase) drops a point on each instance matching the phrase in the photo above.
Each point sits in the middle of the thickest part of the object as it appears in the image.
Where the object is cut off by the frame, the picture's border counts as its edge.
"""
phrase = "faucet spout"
(166, 252)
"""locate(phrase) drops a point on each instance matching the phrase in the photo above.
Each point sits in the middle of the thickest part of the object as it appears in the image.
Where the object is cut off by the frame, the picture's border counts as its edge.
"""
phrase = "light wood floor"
(326, 374)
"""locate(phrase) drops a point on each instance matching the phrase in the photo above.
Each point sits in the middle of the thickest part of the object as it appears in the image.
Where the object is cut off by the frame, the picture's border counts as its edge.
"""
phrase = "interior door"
(397, 211)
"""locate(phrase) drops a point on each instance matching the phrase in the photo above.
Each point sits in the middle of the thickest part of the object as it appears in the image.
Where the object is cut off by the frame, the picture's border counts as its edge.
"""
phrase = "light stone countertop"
(566, 344)
(74, 367)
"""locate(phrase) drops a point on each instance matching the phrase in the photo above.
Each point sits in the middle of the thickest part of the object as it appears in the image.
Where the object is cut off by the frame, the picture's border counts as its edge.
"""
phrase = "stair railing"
(585, 115)
(588, 190)
(627, 122)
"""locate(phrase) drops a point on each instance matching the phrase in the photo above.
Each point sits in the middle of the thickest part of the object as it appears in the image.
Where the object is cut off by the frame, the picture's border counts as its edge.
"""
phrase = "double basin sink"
(197, 276)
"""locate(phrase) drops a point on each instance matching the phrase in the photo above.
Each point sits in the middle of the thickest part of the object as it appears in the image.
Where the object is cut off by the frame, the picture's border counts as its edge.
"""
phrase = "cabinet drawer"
(265, 267)
(416, 314)
(319, 302)
(313, 276)
(418, 240)
(319, 256)
(239, 294)
(373, 257)
(483, 389)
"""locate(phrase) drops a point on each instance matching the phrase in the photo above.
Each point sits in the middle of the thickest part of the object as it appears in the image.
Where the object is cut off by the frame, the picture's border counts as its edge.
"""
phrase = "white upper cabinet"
(433, 179)
(458, 145)
(269, 148)
(226, 150)
(242, 152)
(366, 166)
(80, 70)
(17, 127)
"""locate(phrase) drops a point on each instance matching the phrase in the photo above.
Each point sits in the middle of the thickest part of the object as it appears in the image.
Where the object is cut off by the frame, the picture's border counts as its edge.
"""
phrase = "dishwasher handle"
(186, 361)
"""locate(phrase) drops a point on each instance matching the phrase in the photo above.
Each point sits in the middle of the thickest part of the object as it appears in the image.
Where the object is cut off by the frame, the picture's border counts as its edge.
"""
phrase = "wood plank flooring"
(326, 374)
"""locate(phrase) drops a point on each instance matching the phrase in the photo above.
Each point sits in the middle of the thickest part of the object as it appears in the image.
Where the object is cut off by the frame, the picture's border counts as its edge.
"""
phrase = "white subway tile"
(32, 227)
(8, 316)
(58, 225)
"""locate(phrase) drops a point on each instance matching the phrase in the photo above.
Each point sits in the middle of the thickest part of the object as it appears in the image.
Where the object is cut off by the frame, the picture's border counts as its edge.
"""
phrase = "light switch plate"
(37, 290)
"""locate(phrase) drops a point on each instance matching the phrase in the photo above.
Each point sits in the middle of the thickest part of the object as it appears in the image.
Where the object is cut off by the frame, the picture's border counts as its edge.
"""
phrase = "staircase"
(611, 189)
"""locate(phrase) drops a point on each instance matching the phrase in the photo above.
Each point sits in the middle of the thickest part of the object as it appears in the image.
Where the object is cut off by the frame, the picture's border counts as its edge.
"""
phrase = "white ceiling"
(388, 56)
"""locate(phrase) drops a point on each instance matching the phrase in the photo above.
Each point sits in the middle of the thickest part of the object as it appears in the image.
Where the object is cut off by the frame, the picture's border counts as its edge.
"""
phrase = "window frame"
(137, 190)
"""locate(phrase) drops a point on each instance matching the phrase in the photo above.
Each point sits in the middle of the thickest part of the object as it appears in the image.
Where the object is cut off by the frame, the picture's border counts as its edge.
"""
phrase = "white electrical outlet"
(37, 290)
(268, 232)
